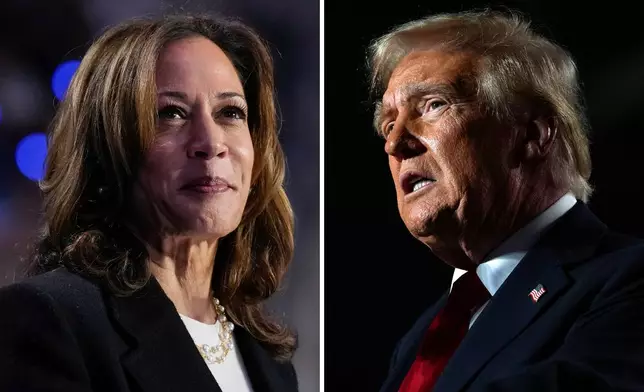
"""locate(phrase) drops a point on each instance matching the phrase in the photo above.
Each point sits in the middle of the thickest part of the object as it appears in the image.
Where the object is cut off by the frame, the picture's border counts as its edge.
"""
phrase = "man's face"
(447, 158)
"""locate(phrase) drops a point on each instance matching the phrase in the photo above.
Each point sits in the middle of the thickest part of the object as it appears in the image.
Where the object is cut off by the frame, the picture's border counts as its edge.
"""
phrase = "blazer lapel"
(162, 355)
(264, 372)
(572, 239)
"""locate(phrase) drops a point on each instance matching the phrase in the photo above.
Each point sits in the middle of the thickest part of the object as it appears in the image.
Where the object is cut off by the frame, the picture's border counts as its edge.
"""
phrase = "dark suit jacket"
(586, 333)
(61, 332)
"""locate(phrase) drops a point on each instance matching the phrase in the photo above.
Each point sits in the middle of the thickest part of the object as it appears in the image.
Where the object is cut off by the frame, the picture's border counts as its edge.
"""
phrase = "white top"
(230, 374)
(502, 261)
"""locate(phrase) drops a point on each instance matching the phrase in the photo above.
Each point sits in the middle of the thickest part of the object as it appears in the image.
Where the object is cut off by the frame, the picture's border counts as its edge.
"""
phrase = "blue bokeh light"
(62, 76)
(30, 156)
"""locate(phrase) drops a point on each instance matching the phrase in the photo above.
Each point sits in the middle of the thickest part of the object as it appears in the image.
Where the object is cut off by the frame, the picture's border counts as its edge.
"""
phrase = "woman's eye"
(171, 113)
(233, 112)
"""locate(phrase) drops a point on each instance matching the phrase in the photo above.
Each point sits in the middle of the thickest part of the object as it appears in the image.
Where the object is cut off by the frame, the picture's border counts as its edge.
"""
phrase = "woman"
(166, 223)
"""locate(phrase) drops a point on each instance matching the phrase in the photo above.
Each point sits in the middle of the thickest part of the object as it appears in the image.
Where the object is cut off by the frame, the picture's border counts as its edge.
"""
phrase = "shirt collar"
(502, 261)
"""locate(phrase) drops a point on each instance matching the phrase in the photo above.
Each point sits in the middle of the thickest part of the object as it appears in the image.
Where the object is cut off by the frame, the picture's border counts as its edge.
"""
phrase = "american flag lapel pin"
(537, 292)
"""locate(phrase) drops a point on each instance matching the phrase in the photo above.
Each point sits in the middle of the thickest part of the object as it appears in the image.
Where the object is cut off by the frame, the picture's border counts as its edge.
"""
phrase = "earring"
(102, 191)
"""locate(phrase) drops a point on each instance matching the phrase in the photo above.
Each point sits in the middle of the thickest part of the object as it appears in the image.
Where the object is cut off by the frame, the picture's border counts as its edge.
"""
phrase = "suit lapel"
(163, 356)
(265, 373)
(572, 239)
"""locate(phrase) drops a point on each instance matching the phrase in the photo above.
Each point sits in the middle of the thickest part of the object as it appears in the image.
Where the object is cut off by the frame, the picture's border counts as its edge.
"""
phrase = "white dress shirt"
(502, 261)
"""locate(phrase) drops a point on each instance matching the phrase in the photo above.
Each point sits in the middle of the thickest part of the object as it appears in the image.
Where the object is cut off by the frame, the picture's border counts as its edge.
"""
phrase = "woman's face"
(198, 171)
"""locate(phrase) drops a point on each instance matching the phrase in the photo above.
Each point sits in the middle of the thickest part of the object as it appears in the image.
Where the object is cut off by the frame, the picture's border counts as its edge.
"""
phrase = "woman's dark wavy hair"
(98, 140)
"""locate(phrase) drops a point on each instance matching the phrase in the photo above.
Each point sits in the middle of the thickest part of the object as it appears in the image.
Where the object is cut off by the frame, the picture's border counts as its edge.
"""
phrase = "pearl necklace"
(217, 354)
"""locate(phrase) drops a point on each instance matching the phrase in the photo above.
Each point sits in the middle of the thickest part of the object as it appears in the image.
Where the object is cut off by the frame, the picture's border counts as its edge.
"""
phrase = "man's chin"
(428, 220)
(424, 229)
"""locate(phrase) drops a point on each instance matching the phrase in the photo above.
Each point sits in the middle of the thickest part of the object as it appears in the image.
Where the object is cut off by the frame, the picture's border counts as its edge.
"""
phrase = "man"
(487, 146)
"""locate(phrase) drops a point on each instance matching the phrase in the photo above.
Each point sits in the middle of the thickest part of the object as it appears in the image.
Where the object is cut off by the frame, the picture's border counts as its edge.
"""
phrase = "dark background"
(378, 279)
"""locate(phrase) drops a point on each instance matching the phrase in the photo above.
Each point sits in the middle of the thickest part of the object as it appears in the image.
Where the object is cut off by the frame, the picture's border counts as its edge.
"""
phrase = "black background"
(378, 279)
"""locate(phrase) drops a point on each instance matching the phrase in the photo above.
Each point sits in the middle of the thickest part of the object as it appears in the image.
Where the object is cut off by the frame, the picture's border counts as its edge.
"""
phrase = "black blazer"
(586, 333)
(61, 332)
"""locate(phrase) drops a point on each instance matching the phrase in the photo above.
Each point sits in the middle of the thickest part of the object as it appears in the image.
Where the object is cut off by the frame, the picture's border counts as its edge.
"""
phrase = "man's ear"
(539, 137)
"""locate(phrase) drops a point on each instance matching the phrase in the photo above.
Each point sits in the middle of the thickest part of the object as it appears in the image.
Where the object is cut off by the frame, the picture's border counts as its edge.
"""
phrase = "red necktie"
(445, 333)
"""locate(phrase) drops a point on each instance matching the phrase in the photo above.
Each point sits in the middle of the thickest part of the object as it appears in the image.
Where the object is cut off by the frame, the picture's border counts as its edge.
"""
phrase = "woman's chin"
(207, 229)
